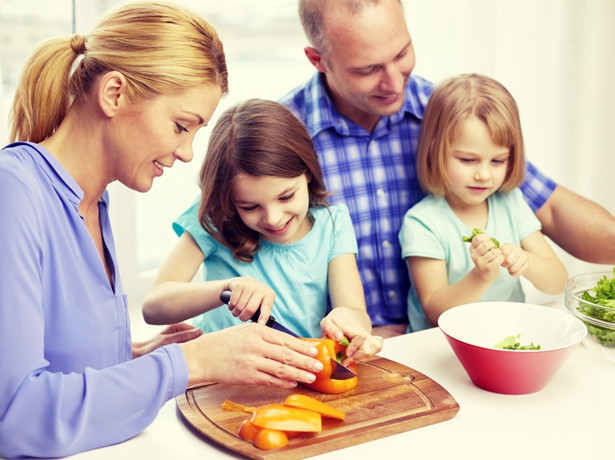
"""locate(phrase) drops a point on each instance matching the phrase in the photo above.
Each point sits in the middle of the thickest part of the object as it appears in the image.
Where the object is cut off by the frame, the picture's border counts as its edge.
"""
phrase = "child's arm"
(349, 316)
(536, 261)
(173, 297)
(429, 278)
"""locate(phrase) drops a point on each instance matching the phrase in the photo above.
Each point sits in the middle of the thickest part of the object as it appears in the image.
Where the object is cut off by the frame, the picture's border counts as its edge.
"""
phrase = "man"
(364, 110)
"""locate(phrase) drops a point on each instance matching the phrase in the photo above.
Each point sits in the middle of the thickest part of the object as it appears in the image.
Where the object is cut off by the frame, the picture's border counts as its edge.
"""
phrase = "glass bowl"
(599, 319)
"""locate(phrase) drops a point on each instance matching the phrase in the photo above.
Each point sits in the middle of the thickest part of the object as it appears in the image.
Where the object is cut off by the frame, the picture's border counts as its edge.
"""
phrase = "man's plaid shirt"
(374, 175)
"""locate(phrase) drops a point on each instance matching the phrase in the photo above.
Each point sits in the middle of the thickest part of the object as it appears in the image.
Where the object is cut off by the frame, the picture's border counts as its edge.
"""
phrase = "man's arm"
(580, 226)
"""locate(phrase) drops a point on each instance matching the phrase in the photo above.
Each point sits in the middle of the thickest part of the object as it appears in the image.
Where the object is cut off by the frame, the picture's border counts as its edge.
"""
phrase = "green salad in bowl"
(591, 298)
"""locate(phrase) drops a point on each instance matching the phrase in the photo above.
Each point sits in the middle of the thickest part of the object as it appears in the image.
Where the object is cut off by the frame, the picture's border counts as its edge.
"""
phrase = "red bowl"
(473, 330)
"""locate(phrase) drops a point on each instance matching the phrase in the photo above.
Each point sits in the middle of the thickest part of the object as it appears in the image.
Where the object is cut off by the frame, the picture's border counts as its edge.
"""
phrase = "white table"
(571, 418)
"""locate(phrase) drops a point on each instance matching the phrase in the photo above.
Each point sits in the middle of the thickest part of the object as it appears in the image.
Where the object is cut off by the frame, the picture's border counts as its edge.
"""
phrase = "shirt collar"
(56, 173)
(321, 114)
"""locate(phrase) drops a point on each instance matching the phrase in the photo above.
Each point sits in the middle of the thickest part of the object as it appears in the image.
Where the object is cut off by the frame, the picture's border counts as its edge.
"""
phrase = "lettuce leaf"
(478, 231)
(603, 295)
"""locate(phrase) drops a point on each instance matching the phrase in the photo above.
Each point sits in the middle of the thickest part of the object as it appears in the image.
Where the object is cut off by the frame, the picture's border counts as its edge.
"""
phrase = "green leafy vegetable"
(478, 231)
(604, 295)
(512, 343)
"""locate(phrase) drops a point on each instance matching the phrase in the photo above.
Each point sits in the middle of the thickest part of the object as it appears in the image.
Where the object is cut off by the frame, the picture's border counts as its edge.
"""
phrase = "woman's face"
(149, 137)
(275, 207)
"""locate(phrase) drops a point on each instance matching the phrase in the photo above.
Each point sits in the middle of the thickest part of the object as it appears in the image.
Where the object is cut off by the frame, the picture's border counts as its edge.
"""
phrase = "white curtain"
(557, 59)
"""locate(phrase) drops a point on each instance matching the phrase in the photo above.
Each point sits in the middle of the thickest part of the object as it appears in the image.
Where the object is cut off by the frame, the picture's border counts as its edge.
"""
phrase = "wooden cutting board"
(390, 398)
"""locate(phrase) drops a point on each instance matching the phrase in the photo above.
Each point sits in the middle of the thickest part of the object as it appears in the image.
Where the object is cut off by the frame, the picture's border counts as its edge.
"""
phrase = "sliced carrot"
(270, 439)
(284, 418)
(308, 403)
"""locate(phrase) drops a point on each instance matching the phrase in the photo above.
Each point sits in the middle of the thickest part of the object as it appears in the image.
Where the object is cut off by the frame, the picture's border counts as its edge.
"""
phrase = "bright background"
(555, 56)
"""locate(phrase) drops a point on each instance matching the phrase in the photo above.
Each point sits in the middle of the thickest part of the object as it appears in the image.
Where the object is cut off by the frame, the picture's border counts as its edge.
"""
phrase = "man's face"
(369, 62)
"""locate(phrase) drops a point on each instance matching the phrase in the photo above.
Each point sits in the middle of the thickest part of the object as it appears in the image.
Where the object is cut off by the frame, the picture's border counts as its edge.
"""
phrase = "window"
(263, 42)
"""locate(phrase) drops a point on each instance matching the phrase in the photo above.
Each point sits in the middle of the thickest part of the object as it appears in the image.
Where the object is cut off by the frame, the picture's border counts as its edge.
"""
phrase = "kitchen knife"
(340, 372)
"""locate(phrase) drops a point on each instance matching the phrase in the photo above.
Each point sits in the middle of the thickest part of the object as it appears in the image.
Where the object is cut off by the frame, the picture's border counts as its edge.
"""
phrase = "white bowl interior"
(486, 323)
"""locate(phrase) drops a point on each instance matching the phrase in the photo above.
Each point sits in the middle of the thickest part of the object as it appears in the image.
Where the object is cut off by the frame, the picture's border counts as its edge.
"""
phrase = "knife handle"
(226, 298)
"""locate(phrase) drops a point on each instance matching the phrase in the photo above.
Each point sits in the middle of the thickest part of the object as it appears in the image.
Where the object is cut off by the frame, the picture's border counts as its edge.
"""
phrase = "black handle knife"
(340, 372)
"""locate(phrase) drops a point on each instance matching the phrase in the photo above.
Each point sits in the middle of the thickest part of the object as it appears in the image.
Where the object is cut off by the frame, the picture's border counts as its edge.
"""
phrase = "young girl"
(470, 160)
(264, 231)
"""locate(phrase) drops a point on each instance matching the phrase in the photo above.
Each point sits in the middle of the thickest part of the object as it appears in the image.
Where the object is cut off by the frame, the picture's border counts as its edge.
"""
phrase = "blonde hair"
(158, 47)
(452, 103)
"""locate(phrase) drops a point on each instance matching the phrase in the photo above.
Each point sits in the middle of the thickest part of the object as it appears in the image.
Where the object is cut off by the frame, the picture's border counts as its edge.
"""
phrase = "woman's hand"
(343, 322)
(175, 333)
(251, 354)
(247, 296)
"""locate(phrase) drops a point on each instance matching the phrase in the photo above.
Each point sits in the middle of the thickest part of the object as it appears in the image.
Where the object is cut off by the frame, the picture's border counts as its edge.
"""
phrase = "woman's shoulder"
(18, 159)
(31, 169)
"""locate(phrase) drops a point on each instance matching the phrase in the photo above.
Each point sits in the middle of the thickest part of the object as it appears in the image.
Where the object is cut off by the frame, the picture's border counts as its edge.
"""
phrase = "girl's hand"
(343, 322)
(486, 256)
(251, 354)
(247, 296)
(515, 259)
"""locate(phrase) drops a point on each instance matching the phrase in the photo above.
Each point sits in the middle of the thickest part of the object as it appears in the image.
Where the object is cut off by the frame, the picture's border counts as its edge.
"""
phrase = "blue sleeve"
(188, 221)
(45, 413)
(51, 414)
(417, 238)
(525, 220)
(536, 187)
(345, 240)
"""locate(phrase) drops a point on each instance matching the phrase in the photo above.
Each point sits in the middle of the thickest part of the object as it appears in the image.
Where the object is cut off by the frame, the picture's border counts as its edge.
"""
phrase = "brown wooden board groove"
(390, 398)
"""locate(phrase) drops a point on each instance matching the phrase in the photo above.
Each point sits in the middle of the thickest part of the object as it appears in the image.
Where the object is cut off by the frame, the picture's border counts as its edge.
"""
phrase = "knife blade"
(340, 372)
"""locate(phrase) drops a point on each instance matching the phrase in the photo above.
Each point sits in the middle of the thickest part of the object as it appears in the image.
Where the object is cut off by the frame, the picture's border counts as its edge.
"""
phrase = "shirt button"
(386, 244)
(392, 294)
(381, 193)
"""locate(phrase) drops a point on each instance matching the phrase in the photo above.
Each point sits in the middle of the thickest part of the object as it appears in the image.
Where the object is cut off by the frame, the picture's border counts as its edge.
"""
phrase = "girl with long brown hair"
(263, 230)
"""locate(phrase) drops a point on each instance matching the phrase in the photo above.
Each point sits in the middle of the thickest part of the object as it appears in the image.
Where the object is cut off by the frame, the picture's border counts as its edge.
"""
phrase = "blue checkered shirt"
(374, 175)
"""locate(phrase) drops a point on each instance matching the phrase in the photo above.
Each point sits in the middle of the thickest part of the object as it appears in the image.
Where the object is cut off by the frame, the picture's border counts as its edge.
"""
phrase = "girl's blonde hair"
(452, 103)
(260, 138)
(158, 47)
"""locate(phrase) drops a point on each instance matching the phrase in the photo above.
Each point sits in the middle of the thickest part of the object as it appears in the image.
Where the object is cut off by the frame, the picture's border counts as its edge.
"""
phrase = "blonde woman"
(120, 104)
(471, 162)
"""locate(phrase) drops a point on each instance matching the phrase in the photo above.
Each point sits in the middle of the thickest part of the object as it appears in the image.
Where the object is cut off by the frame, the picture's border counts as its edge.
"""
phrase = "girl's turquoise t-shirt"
(297, 272)
(431, 229)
